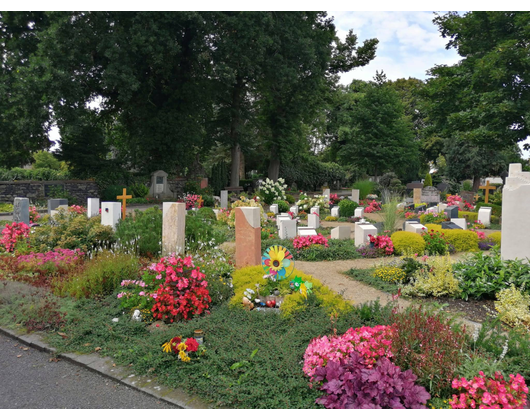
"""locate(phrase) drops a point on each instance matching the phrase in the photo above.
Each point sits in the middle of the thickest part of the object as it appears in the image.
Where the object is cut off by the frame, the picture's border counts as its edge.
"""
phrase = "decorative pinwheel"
(299, 285)
(278, 262)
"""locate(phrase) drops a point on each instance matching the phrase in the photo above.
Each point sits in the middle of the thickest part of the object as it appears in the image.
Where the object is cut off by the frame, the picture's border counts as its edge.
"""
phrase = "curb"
(105, 367)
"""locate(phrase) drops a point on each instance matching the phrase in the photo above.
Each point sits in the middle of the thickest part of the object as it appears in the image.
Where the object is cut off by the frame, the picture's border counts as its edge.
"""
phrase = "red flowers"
(382, 242)
(303, 242)
(13, 233)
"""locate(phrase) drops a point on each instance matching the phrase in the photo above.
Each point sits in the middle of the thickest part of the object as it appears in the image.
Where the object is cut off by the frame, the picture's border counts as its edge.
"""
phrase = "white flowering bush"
(271, 191)
(246, 202)
(305, 203)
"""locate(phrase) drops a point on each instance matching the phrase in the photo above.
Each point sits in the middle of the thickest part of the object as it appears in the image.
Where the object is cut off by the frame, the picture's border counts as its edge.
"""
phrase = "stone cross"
(488, 187)
(124, 198)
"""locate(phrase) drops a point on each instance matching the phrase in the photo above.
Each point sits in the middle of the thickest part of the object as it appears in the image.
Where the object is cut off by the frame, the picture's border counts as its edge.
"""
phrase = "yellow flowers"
(166, 347)
(390, 274)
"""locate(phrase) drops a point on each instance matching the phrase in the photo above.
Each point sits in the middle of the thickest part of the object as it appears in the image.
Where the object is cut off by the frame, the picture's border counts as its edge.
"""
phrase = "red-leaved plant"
(349, 383)
(184, 291)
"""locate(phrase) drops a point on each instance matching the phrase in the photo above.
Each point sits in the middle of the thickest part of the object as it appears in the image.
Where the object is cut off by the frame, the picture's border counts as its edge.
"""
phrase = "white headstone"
(224, 199)
(110, 213)
(362, 231)
(173, 228)
(306, 231)
(432, 210)
(280, 218)
(359, 212)
(294, 210)
(335, 211)
(460, 222)
(341, 232)
(441, 208)
(515, 221)
(21, 210)
(327, 193)
(401, 206)
(355, 196)
(287, 229)
(484, 215)
(315, 209)
(313, 221)
(274, 208)
(414, 227)
(92, 207)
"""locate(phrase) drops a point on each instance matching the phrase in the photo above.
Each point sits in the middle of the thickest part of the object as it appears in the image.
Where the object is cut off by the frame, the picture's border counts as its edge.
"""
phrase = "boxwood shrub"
(406, 242)
(347, 207)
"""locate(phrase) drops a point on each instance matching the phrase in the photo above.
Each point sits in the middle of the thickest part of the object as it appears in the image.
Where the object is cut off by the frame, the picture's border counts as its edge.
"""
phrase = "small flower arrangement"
(223, 215)
(302, 215)
(390, 274)
(304, 242)
(14, 234)
(272, 191)
(136, 294)
(184, 348)
(334, 199)
(331, 219)
(374, 206)
(382, 242)
(477, 224)
(435, 218)
(483, 392)
(435, 243)
(193, 201)
(77, 209)
(410, 215)
(33, 215)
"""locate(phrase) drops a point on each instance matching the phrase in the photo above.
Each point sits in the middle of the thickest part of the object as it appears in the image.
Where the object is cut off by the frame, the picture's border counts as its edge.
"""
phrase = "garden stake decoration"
(277, 261)
(299, 285)
(124, 198)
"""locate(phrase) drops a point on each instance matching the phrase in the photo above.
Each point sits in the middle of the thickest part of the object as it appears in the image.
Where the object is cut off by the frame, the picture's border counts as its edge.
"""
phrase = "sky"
(409, 43)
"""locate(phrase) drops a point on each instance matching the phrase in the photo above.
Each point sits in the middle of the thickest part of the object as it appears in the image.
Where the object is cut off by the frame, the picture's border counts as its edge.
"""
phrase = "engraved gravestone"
(159, 185)
(21, 210)
(430, 195)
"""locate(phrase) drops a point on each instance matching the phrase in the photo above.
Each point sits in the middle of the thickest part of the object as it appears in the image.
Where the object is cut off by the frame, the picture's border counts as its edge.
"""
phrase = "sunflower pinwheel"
(278, 261)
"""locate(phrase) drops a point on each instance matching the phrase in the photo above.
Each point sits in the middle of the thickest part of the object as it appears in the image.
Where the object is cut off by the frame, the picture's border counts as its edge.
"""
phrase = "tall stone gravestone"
(327, 193)
(21, 210)
(341, 232)
(430, 195)
(92, 208)
(248, 236)
(159, 186)
(417, 195)
(335, 211)
(110, 213)
(287, 229)
(515, 221)
(484, 215)
(355, 196)
(224, 199)
(53, 203)
(313, 221)
(173, 228)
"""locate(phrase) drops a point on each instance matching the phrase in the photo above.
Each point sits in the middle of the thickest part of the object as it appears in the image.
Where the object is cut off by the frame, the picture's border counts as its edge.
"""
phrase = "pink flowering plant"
(483, 392)
(382, 242)
(304, 242)
(33, 215)
(136, 294)
(58, 258)
(193, 201)
(334, 199)
(373, 207)
(77, 209)
(370, 342)
(14, 235)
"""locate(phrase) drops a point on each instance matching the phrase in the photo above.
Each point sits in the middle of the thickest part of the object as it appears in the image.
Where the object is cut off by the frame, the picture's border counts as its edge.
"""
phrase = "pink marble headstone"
(248, 236)
(204, 182)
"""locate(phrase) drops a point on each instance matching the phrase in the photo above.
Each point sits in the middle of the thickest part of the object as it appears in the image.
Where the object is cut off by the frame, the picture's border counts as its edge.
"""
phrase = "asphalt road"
(30, 380)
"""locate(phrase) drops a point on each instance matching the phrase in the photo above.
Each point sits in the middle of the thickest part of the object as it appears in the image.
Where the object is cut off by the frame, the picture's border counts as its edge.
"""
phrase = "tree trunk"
(241, 165)
(234, 168)
(476, 183)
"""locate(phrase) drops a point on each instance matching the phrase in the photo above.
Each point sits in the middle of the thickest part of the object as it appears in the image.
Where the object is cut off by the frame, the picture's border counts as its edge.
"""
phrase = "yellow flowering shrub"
(331, 219)
(513, 307)
(495, 237)
(436, 281)
(408, 242)
(462, 240)
(248, 277)
(431, 226)
(245, 202)
(389, 274)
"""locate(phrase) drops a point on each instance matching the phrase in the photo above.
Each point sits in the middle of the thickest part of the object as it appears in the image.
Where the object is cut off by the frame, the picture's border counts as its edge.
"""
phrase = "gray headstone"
(452, 212)
(159, 185)
(430, 195)
(224, 199)
(450, 225)
(420, 208)
(380, 226)
(21, 210)
(410, 220)
(53, 203)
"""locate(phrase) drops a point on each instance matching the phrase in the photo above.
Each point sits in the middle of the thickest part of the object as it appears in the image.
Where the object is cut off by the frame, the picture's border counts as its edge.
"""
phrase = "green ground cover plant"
(337, 249)
(367, 276)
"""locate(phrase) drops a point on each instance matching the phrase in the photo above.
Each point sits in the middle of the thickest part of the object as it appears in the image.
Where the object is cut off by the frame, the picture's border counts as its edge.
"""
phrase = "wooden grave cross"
(476, 197)
(488, 187)
(124, 198)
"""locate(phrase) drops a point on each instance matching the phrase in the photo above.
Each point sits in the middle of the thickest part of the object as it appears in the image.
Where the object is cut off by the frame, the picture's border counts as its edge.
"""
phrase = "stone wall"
(39, 190)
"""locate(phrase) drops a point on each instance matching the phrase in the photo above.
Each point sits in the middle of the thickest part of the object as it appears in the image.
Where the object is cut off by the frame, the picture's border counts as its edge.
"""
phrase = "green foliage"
(111, 192)
(435, 242)
(219, 179)
(290, 199)
(435, 280)
(513, 307)
(481, 276)
(365, 187)
(430, 218)
(45, 160)
(428, 181)
(141, 233)
(391, 215)
(309, 174)
(6, 208)
(294, 302)
(283, 206)
(58, 191)
(470, 216)
(467, 185)
(208, 200)
(139, 190)
(496, 210)
(71, 230)
(206, 213)
(100, 276)
(462, 240)
(407, 243)
(367, 276)
(495, 237)
(347, 207)
(338, 249)
(200, 233)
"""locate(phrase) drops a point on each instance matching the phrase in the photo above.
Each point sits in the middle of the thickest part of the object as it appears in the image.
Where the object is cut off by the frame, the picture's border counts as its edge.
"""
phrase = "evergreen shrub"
(407, 243)
(495, 237)
(470, 216)
(347, 208)
(462, 240)
(283, 206)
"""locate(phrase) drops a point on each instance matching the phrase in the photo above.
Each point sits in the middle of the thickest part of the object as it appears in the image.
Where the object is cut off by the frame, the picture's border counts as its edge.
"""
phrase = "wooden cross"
(476, 197)
(488, 187)
(124, 198)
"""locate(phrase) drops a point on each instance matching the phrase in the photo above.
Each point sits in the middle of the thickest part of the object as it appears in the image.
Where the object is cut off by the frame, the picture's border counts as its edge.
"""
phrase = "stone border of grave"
(105, 366)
